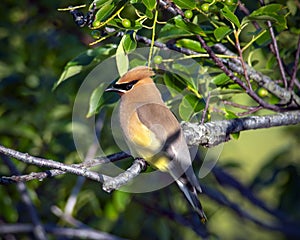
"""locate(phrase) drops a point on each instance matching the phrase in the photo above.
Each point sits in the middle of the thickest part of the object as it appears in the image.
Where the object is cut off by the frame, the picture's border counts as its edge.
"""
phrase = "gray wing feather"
(157, 117)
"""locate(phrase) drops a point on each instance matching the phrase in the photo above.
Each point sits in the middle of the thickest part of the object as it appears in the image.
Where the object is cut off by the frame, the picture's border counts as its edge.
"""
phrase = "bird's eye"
(125, 86)
(128, 86)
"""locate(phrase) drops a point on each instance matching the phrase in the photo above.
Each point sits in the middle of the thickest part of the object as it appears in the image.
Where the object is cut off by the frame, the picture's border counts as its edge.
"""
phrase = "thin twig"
(248, 109)
(225, 179)
(275, 49)
(91, 153)
(238, 46)
(67, 217)
(38, 230)
(237, 80)
(72, 199)
(229, 73)
(199, 229)
(262, 80)
(237, 105)
(294, 73)
(73, 233)
(223, 200)
(233, 64)
(277, 55)
(246, 11)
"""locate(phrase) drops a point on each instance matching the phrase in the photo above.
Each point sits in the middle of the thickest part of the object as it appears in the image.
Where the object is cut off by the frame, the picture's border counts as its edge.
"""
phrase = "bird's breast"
(142, 141)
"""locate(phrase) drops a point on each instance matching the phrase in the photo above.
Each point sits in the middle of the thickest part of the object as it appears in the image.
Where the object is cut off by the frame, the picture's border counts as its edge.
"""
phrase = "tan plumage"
(153, 133)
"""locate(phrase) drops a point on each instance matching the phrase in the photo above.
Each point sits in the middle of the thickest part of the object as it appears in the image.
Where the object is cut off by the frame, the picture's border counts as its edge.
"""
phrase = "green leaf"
(235, 135)
(110, 212)
(189, 105)
(235, 86)
(230, 16)
(100, 3)
(173, 85)
(99, 98)
(221, 79)
(185, 75)
(186, 4)
(104, 12)
(94, 100)
(85, 60)
(122, 58)
(150, 4)
(292, 6)
(222, 32)
(190, 44)
(264, 39)
(121, 200)
(129, 43)
(188, 26)
(268, 9)
(230, 114)
(68, 72)
(143, 9)
(271, 12)
(170, 31)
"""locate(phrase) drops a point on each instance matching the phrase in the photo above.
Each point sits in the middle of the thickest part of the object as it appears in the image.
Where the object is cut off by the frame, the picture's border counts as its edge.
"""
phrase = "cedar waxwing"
(152, 132)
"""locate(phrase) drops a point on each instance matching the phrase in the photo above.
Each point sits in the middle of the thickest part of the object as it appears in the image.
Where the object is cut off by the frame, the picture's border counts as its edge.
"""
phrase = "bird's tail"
(190, 193)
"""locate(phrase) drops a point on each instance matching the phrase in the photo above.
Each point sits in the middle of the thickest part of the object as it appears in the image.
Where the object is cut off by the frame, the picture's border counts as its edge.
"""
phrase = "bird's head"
(135, 77)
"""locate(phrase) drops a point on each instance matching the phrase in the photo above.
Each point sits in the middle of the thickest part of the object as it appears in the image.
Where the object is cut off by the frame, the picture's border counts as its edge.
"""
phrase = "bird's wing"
(160, 120)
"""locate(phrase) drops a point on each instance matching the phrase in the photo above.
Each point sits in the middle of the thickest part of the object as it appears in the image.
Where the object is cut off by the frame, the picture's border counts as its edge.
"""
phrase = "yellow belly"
(145, 144)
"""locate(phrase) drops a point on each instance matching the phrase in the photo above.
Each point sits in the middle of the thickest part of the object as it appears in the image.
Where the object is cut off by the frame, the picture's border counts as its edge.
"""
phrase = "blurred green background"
(36, 41)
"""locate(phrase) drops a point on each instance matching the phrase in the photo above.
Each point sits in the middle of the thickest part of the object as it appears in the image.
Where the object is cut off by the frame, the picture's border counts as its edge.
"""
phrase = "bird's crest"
(136, 74)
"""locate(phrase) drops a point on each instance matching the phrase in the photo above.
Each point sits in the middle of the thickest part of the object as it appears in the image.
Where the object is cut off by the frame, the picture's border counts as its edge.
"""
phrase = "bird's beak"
(111, 89)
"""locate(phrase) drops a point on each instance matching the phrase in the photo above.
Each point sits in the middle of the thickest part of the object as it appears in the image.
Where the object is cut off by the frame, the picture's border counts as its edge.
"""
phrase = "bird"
(152, 131)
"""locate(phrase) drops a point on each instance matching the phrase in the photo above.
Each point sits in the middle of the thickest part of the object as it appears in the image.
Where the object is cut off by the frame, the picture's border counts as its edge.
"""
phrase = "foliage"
(42, 49)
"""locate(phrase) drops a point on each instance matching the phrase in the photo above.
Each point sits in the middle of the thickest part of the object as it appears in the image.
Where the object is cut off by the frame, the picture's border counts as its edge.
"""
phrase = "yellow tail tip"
(203, 220)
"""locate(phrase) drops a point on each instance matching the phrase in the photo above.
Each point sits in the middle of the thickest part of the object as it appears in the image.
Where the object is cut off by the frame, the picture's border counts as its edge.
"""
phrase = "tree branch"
(58, 231)
(294, 73)
(199, 229)
(38, 230)
(262, 80)
(213, 133)
(236, 66)
(208, 134)
(122, 179)
(274, 46)
(77, 169)
(219, 197)
(233, 64)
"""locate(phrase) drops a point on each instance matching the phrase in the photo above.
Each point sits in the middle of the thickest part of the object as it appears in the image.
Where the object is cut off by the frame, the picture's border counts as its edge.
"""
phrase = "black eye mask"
(125, 86)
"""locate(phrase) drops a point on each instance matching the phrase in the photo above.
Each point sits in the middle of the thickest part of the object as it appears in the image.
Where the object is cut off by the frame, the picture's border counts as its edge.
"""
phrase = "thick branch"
(41, 162)
(115, 183)
(209, 134)
(213, 133)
